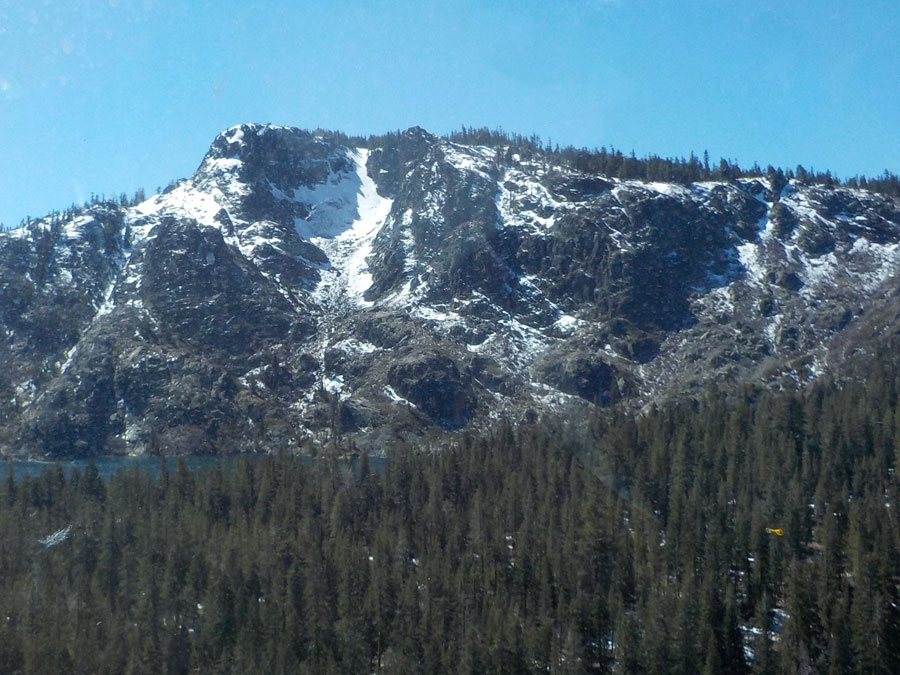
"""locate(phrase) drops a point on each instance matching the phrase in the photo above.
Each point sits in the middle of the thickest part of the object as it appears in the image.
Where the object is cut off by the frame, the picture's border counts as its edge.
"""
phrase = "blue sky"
(106, 96)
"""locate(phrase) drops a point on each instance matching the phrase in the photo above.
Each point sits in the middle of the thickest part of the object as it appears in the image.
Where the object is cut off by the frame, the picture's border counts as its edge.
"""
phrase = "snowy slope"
(356, 213)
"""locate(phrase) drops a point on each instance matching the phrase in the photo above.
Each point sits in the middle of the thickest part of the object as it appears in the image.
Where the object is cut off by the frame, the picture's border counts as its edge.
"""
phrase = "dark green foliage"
(613, 163)
(632, 545)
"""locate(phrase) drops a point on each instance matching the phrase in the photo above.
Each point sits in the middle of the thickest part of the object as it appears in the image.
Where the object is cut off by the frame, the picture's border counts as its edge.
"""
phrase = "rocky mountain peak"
(264, 153)
(295, 288)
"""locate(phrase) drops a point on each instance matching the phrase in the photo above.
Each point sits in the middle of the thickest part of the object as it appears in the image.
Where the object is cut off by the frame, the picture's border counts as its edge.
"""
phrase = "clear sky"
(106, 96)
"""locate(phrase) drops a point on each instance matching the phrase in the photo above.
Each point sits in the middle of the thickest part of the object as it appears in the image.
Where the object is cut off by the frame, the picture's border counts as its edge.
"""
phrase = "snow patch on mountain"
(815, 272)
(388, 391)
(200, 201)
(473, 158)
(74, 229)
(411, 291)
(347, 215)
(568, 324)
(443, 317)
(772, 329)
(514, 343)
(258, 234)
(235, 135)
(523, 201)
(668, 189)
(354, 346)
(333, 384)
(752, 254)
(884, 260)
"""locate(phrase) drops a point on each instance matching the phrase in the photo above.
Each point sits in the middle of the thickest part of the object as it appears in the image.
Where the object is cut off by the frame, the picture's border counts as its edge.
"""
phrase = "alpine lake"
(150, 464)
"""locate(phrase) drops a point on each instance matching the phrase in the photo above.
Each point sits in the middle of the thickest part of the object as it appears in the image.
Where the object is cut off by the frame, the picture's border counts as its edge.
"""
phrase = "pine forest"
(753, 532)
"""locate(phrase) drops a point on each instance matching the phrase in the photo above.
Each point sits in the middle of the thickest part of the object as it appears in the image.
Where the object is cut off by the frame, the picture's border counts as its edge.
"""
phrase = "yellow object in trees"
(775, 530)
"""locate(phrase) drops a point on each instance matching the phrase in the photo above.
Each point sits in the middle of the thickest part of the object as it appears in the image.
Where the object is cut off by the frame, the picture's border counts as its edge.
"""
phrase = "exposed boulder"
(434, 383)
(580, 374)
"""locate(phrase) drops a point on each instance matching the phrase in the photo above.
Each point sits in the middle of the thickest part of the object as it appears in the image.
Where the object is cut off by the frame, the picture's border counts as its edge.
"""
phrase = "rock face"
(433, 383)
(294, 287)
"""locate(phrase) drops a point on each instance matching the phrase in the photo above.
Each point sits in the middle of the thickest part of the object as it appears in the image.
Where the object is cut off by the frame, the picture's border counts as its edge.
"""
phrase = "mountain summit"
(297, 286)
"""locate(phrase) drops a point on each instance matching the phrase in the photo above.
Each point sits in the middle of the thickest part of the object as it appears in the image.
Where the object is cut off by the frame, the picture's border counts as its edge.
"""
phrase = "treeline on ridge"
(613, 163)
(606, 162)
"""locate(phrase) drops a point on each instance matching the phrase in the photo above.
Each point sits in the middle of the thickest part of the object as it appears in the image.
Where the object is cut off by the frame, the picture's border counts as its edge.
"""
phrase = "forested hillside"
(630, 546)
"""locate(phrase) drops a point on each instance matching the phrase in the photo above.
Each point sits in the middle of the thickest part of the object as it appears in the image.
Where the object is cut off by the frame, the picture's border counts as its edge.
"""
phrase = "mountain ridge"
(296, 289)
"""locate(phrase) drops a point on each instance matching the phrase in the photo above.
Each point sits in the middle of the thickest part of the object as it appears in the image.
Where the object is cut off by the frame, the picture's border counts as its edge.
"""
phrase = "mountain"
(298, 288)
